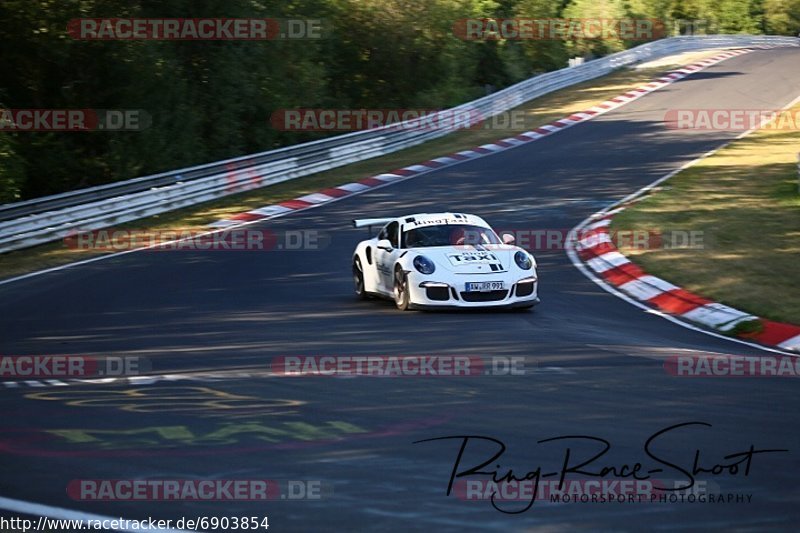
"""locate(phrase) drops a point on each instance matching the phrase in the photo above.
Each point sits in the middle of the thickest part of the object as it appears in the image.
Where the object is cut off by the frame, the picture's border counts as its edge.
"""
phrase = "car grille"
(489, 296)
(438, 293)
(524, 289)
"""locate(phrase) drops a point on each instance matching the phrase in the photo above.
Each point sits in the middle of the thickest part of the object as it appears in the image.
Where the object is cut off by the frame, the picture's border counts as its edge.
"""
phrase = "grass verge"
(537, 113)
(745, 201)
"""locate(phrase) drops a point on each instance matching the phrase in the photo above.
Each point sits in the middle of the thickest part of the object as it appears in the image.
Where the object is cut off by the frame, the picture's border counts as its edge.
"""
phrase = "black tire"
(401, 296)
(358, 279)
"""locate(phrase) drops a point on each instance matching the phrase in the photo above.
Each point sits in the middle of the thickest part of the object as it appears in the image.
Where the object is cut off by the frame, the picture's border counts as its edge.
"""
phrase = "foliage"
(211, 100)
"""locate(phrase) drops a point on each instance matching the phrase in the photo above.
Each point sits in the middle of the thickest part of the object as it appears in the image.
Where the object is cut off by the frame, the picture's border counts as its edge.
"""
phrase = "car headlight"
(424, 265)
(523, 260)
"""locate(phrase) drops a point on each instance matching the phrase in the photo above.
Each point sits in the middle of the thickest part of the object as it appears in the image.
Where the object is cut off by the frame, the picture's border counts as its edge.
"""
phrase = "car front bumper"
(432, 294)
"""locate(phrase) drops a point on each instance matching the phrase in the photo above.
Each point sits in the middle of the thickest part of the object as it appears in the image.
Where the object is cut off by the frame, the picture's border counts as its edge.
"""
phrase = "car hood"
(469, 259)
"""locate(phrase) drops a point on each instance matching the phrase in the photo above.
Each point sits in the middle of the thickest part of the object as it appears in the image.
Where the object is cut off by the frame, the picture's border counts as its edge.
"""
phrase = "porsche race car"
(434, 260)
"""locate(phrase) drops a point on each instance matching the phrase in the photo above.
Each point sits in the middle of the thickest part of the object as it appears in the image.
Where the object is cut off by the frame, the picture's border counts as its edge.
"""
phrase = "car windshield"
(448, 235)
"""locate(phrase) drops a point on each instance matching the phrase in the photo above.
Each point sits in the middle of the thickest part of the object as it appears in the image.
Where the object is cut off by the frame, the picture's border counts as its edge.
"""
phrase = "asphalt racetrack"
(212, 322)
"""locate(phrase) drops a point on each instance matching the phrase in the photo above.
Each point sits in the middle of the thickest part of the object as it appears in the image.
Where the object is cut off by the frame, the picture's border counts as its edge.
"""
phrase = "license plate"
(485, 286)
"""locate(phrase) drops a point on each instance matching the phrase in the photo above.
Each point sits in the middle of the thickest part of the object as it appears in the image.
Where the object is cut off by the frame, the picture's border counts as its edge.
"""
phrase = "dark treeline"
(211, 100)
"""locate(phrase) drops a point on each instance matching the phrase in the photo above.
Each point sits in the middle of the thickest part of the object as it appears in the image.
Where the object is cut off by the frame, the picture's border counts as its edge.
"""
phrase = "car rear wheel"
(358, 279)
(401, 296)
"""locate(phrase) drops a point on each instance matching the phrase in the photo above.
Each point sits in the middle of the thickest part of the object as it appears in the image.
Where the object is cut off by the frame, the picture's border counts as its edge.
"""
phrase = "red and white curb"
(593, 245)
(591, 249)
(381, 180)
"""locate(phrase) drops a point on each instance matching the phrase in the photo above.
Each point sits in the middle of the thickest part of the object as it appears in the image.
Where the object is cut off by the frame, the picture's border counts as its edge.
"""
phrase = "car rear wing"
(368, 222)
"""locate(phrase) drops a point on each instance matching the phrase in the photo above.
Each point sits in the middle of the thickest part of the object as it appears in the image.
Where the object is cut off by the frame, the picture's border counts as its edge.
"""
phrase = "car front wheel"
(401, 296)
(358, 279)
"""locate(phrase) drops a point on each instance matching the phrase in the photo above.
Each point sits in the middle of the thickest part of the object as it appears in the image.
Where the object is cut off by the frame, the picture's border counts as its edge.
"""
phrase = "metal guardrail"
(41, 220)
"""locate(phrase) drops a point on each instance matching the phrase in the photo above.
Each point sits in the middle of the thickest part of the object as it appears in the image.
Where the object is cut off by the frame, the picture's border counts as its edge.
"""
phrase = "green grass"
(538, 112)
(745, 200)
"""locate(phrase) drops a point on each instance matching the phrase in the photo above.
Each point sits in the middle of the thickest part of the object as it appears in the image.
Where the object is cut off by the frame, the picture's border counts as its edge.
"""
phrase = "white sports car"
(433, 260)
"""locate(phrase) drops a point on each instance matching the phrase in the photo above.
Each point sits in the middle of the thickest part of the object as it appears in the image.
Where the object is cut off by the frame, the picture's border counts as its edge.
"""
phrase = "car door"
(385, 259)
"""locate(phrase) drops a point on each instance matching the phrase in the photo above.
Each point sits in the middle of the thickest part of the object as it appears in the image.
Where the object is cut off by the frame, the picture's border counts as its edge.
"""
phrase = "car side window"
(393, 234)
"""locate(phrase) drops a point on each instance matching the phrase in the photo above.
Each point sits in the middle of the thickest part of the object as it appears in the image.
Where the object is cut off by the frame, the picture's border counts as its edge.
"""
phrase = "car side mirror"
(384, 244)
(508, 238)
